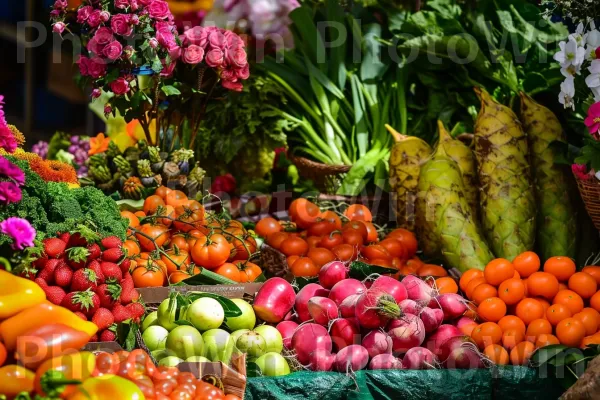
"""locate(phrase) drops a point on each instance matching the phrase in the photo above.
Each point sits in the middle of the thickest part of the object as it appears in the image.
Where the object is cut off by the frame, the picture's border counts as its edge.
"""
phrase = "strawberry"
(128, 292)
(86, 302)
(111, 271)
(81, 315)
(94, 338)
(54, 247)
(54, 294)
(94, 265)
(28, 273)
(84, 279)
(63, 276)
(77, 257)
(125, 264)
(111, 242)
(108, 294)
(41, 283)
(46, 275)
(40, 262)
(103, 318)
(65, 237)
(77, 240)
(108, 335)
(94, 251)
(136, 310)
(120, 313)
(112, 255)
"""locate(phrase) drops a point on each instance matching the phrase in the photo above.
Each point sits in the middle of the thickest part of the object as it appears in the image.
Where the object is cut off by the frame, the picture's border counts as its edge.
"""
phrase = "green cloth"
(504, 383)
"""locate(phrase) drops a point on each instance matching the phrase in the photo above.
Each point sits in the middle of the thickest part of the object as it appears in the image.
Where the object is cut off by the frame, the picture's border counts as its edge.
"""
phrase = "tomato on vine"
(189, 217)
(249, 271)
(152, 236)
(211, 251)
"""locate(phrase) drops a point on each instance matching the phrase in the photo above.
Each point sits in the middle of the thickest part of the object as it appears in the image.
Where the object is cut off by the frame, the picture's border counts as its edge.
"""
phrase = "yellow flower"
(73, 185)
(98, 144)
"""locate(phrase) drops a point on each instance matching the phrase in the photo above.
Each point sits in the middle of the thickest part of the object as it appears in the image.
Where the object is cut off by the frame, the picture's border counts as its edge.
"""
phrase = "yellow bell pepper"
(15, 379)
(17, 294)
(36, 316)
(107, 387)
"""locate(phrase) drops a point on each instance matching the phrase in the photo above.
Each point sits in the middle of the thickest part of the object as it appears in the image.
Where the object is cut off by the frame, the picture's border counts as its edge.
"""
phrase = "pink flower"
(159, 9)
(197, 35)
(9, 192)
(113, 50)
(94, 19)
(235, 86)
(107, 109)
(238, 58)
(223, 184)
(166, 38)
(217, 40)
(580, 171)
(153, 43)
(215, 58)
(593, 120)
(168, 69)
(134, 19)
(11, 171)
(174, 52)
(119, 86)
(96, 68)
(55, 14)
(134, 5)
(104, 36)
(121, 4)
(120, 25)
(94, 47)
(104, 16)
(7, 139)
(60, 4)
(229, 74)
(145, 2)
(244, 73)
(20, 230)
(233, 40)
(193, 54)
(96, 93)
(83, 63)
(59, 27)
(83, 14)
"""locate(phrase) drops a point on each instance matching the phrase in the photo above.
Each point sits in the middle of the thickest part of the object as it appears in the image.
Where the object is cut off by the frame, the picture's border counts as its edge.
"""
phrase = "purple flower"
(59, 27)
(120, 25)
(40, 148)
(20, 230)
(122, 4)
(11, 171)
(104, 35)
(119, 86)
(9, 192)
(193, 55)
(215, 58)
(94, 19)
(159, 9)
(113, 50)
(84, 13)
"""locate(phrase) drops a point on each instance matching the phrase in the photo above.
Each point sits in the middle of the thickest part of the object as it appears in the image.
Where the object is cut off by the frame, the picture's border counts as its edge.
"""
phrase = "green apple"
(170, 361)
(150, 320)
(166, 317)
(251, 343)
(205, 313)
(185, 341)
(273, 364)
(196, 359)
(217, 345)
(245, 321)
(272, 337)
(155, 337)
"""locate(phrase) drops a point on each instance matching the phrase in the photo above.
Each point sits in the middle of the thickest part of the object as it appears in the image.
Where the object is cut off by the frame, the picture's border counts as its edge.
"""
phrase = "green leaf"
(360, 270)
(324, 81)
(260, 279)
(171, 90)
(126, 334)
(301, 281)
(206, 277)
(356, 178)
(337, 57)
(231, 310)
(545, 354)
(311, 40)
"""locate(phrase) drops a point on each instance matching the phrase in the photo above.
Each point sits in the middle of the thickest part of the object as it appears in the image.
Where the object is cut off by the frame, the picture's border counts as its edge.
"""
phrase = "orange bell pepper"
(36, 316)
(15, 379)
(60, 376)
(17, 294)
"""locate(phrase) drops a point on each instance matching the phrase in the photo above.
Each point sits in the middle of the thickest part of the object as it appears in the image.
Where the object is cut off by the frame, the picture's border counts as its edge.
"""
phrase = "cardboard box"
(156, 295)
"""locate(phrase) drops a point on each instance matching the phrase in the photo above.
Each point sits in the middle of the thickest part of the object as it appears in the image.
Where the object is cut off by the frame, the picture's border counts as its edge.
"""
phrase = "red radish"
(406, 333)
(432, 318)
(287, 328)
(332, 273)
(351, 358)
(344, 332)
(309, 338)
(410, 307)
(290, 316)
(418, 358)
(304, 295)
(452, 304)
(348, 306)
(321, 360)
(375, 308)
(322, 310)
(274, 300)
(417, 289)
(377, 342)
(391, 286)
(443, 333)
(346, 288)
(460, 353)
(385, 361)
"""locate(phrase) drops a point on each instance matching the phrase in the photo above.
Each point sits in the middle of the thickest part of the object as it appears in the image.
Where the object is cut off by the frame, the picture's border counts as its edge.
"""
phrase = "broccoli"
(102, 211)
(64, 205)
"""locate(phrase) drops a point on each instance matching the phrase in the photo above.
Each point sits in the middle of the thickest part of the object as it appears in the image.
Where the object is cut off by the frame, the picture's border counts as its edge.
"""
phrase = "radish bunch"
(346, 325)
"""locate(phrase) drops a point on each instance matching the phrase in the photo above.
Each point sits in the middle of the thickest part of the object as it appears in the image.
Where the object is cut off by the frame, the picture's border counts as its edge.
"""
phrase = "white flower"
(567, 93)
(579, 36)
(593, 39)
(571, 70)
(598, 175)
(570, 53)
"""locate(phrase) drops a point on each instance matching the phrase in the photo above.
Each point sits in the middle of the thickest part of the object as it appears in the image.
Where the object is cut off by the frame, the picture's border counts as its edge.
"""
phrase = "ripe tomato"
(152, 203)
(331, 216)
(304, 266)
(176, 260)
(358, 212)
(152, 236)
(189, 217)
(178, 276)
(408, 240)
(229, 271)
(162, 191)
(275, 239)
(180, 242)
(375, 251)
(134, 221)
(294, 246)
(131, 247)
(331, 240)
(372, 235)
(345, 252)
(249, 271)
(304, 213)
(176, 198)
(146, 276)
(313, 241)
(243, 246)
(321, 228)
(353, 237)
(193, 236)
(320, 256)
(206, 391)
(394, 248)
(168, 212)
(266, 226)
(358, 226)
(211, 251)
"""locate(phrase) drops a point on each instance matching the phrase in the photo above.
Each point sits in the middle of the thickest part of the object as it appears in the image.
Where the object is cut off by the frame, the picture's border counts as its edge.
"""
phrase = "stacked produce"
(524, 308)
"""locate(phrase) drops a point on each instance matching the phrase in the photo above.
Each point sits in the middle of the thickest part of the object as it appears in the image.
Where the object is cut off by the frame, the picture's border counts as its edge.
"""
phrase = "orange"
(529, 309)
(536, 328)
(486, 334)
(446, 285)
(594, 271)
(546, 339)
(570, 299)
(526, 263)
(492, 309)
(498, 270)
(588, 340)
(511, 338)
(557, 312)
(497, 354)
(511, 291)
(590, 319)
(562, 286)
(595, 302)
(472, 285)
(482, 292)
(542, 284)
(561, 267)
(521, 354)
(468, 276)
(583, 284)
(511, 322)
(545, 304)
(570, 332)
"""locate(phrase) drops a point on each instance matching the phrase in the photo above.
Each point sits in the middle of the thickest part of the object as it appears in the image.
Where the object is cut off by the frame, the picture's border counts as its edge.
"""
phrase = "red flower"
(223, 184)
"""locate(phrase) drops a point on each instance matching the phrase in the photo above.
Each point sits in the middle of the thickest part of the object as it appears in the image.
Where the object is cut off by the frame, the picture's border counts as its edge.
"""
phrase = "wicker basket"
(590, 193)
(327, 178)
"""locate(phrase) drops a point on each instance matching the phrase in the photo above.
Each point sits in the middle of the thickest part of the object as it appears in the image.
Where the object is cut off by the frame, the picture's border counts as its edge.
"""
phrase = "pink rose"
(166, 38)
(94, 19)
(244, 73)
(216, 39)
(121, 4)
(83, 14)
(113, 50)
(60, 4)
(134, 5)
(233, 40)
(159, 9)
(96, 68)
(215, 58)
(119, 86)
(153, 43)
(235, 86)
(104, 35)
(107, 109)
(94, 47)
(83, 63)
(229, 74)
(174, 52)
(104, 16)
(120, 25)
(145, 2)
(193, 54)
(168, 69)
(197, 35)
(59, 27)
(54, 14)
(134, 19)
(96, 93)
(237, 57)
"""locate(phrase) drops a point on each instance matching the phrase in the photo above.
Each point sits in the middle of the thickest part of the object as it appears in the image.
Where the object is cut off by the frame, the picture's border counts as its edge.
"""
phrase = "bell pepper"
(107, 387)
(60, 376)
(15, 379)
(17, 294)
(40, 315)
(48, 341)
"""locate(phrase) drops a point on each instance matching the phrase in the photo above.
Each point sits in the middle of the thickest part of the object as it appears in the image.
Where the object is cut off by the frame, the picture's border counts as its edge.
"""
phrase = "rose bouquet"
(132, 50)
